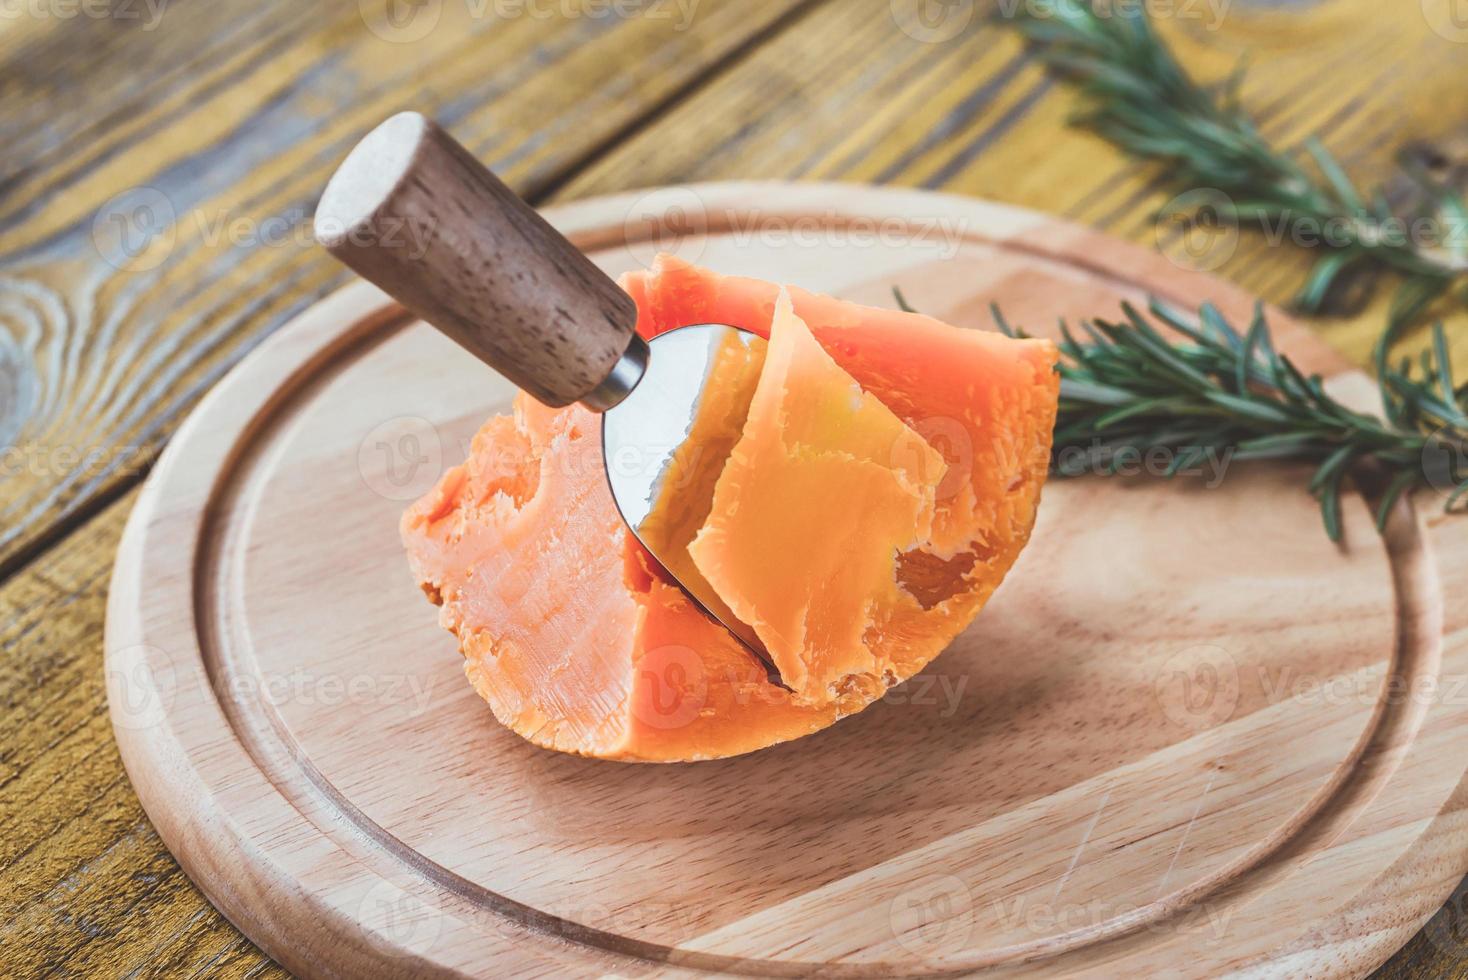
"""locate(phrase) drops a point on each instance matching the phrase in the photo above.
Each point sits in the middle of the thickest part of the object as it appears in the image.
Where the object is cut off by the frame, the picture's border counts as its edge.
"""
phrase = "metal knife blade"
(643, 442)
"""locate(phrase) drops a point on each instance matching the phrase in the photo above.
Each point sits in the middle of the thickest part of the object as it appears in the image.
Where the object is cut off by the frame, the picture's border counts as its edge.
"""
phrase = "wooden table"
(211, 126)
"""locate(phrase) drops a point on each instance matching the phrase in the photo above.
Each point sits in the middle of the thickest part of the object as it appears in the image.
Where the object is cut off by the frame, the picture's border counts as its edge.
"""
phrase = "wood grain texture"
(88, 886)
(417, 215)
(968, 112)
(227, 101)
(163, 230)
(1153, 770)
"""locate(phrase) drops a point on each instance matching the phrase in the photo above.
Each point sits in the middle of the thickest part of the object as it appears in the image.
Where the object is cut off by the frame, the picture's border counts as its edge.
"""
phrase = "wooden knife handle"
(414, 212)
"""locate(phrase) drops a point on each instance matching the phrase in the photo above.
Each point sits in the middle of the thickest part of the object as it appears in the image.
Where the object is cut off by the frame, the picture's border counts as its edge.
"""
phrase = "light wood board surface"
(1192, 737)
(237, 111)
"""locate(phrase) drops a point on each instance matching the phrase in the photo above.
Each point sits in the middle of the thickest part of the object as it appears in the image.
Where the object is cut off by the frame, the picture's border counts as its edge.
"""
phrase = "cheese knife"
(414, 212)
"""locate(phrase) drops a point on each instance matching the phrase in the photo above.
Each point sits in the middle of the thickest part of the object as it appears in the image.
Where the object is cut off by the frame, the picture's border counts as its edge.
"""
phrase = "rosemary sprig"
(1130, 390)
(1220, 392)
(1140, 98)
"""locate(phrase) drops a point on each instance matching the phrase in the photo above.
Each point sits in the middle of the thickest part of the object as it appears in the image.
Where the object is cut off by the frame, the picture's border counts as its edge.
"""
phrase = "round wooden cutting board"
(1188, 736)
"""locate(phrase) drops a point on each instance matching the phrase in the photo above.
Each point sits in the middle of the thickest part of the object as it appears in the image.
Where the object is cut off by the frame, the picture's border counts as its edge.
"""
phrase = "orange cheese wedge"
(824, 471)
(574, 638)
(883, 482)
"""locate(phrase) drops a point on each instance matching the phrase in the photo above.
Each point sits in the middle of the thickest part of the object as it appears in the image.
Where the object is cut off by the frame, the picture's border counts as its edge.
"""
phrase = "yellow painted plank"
(159, 225)
(848, 97)
(86, 886)
(841, 93)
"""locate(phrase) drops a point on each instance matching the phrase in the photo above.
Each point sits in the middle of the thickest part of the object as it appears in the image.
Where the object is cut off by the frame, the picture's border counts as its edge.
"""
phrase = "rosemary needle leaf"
(1081, 390)
(1344, 189)
(1330, 470)
(1330, 509)
(1282, 446)
(1068, 342)
(994, 311)
(1461, 493)
(1400, 482)
(1245, 370)
(1210, 316)
(1134, 408)
(1323, 275)
(1262, 411)
(1138, 96)
(1445, 367)
(1131, 391)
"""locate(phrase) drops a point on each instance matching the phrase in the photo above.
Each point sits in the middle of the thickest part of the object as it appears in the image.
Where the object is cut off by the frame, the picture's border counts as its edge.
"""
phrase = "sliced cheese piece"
(828, 476)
